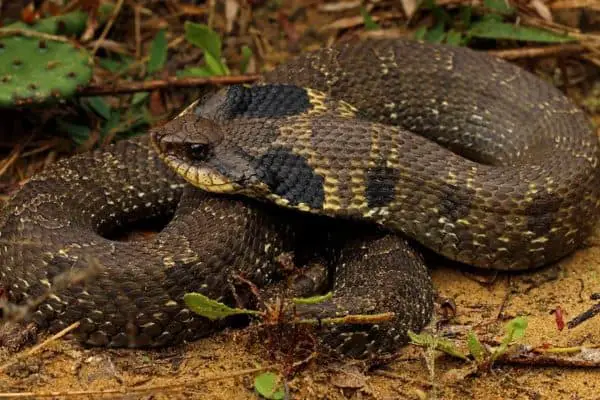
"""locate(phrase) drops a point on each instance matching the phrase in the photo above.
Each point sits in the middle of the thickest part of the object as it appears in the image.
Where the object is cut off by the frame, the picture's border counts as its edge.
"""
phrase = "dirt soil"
(219, 367)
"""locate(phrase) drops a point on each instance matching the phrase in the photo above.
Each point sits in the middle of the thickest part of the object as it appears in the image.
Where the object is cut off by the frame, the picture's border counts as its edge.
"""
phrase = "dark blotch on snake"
(288, 175)
(266, 101)
(541, 204)
(381, 185)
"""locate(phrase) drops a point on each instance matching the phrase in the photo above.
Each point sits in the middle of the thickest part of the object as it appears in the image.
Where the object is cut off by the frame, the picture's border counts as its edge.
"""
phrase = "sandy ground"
(483, 304)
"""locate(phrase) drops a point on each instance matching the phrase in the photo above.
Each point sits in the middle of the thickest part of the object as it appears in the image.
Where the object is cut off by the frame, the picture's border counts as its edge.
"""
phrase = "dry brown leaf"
(561, 4)
(232, 8)
(390, 33)
(542, 9)
(191, 9)
(339, 6)
(410, 6)
(457, 375)
(351, 22)
(349, 378)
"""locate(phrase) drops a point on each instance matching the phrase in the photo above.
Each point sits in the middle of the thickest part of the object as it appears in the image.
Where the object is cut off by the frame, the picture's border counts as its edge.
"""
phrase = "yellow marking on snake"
(303, 146)
(541, 239)
(317, 99)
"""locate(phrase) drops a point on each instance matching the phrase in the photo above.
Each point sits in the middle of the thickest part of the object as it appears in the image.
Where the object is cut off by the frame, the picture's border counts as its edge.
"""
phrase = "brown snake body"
(473, 157)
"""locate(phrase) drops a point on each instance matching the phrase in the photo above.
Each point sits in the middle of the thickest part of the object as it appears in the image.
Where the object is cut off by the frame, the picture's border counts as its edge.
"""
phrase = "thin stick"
(532, 52)
(143, 86)
(583, 357)
(584, 316)
(140, 389)
(40, 346)
(5, 32)
(7, 162)
(108, 25)
(138, 31)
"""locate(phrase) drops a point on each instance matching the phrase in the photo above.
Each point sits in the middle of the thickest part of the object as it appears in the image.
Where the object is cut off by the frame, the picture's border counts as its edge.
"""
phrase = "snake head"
(228, 140)
(193, 146)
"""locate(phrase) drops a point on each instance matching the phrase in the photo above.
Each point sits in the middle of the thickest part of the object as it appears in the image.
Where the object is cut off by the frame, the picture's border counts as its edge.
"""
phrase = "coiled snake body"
(472, 157)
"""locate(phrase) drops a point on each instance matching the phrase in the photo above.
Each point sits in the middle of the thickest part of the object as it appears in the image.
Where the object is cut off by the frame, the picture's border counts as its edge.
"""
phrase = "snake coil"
(473, 157)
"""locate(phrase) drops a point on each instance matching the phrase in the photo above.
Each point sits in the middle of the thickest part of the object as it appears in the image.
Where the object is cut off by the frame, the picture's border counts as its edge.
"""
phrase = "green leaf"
(436, 34)
(212, 309)
(368, 20)
(476, 348)
(266, 385)
(491, 29)
(454, 38)
(112, 123)
(158, 52)
(116, 66)
(246, 54)
(78, 133)
(515, 329)
(420, 33)
(440, 344)
(492, 17)
(110, 64)
(500, 6)
(465, 15)
(139, 98)
(99, 106)
(215, 65)
(202, 36)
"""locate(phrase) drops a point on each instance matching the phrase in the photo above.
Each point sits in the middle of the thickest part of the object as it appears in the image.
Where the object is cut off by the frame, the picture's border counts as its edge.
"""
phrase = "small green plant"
(203, 37)
(515, 329)
(37, 68)
(483, 357)
(269, 386)
(461, 26)
(212, 309)
(73, 23)
(368, 21)
(156, 62)
(246, 55)
(443, 345)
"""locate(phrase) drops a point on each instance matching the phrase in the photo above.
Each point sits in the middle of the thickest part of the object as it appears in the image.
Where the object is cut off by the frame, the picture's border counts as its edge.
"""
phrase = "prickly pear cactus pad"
(39, 68)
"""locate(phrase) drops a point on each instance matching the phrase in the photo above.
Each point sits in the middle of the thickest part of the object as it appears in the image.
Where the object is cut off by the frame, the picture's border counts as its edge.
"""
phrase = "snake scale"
(354, 147)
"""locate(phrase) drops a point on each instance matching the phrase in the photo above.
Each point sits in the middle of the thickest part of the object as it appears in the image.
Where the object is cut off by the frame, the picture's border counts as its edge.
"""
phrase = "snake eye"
(198, 151)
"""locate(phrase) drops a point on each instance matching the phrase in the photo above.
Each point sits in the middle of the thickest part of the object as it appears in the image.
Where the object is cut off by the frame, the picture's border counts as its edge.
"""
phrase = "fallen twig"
(532, 52)
(584, 316)
(557, 357)
(108, 25)
(132, 87)
(139, 389)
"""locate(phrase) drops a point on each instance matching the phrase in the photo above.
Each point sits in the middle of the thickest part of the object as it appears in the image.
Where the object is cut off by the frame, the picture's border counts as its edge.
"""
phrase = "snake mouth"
(203, 177)
(189, 154)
